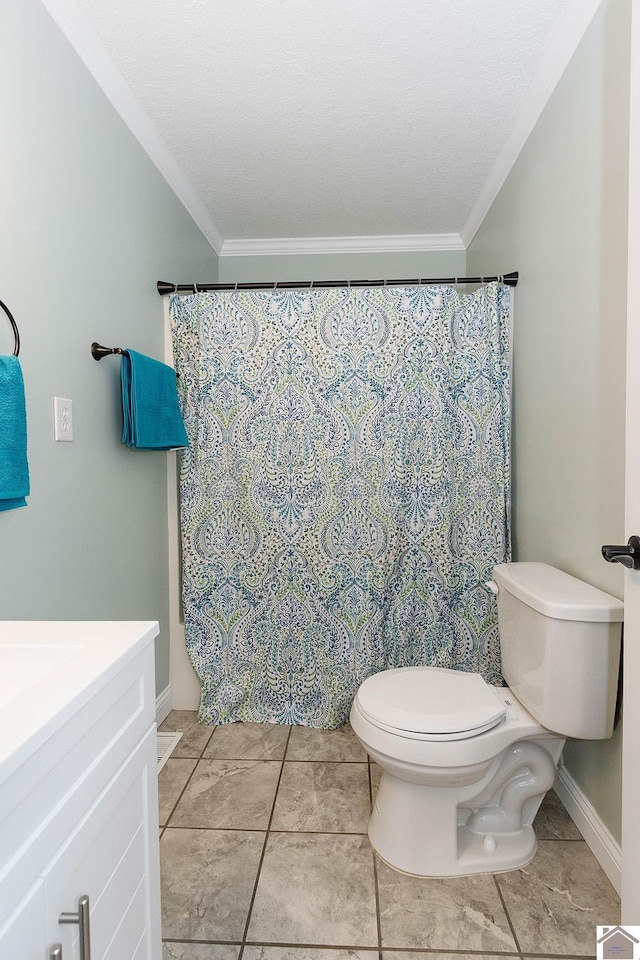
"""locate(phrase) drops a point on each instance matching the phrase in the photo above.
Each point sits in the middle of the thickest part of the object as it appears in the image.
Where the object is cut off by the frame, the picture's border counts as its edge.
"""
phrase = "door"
(631, 729)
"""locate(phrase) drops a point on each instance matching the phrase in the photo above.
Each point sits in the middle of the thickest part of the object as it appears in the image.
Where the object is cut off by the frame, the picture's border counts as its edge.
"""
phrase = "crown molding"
(79, 31)
(292, 246)
(571, 28)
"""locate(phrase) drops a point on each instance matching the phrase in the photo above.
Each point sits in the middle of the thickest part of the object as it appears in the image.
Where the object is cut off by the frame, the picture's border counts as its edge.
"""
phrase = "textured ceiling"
(330, 118)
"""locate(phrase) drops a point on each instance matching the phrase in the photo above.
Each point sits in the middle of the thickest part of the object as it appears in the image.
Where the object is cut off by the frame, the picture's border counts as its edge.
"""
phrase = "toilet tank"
(560, 645)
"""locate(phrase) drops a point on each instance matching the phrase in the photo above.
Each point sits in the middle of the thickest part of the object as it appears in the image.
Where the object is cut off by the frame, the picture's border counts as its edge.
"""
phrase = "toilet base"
(510, 853)
(482, 827)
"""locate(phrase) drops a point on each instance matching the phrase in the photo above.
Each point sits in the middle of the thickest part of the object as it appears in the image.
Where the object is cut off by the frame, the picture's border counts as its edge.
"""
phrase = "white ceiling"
(372, 124)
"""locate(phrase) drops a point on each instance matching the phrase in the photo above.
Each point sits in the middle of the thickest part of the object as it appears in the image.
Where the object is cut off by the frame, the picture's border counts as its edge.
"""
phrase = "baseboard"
(603, 845)
(164, 705)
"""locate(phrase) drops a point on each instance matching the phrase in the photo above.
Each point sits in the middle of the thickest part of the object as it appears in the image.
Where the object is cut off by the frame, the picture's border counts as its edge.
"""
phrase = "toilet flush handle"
(628, 556)
(493, 586)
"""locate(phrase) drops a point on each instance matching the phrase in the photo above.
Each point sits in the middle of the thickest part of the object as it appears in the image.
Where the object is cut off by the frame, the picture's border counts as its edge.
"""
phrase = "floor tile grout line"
(320, 833)
(216, 943)
(259, 829)
(322, 760)
(561, 840)
(424, 951)
(208, 741)
(292, 945)
(443, 954)
(375, 868)
(430, 951)
(233, 759)
(264, 848)
(198, 756)
(173, 809)
(558, 956)
(427, 951)
(507, 915)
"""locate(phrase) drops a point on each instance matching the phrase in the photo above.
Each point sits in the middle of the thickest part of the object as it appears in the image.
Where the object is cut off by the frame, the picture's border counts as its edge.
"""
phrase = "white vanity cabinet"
(78, 798)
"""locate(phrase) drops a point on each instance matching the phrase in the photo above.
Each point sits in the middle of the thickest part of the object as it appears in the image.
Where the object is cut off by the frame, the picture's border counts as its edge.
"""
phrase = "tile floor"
(265, 857)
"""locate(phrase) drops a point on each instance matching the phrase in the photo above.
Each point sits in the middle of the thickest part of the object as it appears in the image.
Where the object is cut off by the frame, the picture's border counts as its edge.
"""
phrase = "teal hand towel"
(151, 414)
(14, 470)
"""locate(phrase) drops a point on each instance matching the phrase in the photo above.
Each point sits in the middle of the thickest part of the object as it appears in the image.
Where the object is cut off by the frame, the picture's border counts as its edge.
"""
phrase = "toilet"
(466, 765)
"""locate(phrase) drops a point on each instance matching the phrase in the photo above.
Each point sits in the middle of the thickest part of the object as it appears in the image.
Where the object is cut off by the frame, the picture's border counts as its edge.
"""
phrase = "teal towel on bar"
(14, 470)
(151, 415)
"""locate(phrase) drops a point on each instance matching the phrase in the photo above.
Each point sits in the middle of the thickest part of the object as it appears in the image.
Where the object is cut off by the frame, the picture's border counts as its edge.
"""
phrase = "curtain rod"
(510, 279)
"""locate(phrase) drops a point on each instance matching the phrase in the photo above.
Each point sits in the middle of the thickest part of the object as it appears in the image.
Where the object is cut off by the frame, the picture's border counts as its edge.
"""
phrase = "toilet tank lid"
(557, 594)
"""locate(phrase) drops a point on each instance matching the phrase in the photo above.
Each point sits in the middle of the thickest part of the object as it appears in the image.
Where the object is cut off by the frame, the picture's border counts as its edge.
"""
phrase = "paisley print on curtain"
(345, 492)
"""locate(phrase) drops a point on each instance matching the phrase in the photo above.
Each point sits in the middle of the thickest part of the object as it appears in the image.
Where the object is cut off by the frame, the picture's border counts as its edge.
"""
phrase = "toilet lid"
(432, 701)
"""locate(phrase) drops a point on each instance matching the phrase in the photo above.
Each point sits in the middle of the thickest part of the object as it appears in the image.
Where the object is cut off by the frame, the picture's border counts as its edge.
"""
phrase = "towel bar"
(98, 351)
(14, 327)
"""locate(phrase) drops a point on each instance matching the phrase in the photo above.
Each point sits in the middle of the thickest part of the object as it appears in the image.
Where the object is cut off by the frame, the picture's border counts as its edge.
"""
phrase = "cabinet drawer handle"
(82, 919)
(55, 953)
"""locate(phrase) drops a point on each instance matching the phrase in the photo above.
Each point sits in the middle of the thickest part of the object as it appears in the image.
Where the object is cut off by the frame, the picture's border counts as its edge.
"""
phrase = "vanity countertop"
(48, 669)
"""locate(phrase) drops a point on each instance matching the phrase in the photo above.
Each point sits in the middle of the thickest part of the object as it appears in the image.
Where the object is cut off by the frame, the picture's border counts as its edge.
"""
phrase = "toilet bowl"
(465, 765)
(426, 817)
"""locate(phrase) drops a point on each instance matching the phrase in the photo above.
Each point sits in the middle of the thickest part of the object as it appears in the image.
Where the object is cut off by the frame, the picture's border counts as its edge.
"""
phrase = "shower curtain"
(345, 491)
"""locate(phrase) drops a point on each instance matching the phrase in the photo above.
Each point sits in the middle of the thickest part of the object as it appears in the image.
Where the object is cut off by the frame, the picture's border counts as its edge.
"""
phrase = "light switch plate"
(62, 418)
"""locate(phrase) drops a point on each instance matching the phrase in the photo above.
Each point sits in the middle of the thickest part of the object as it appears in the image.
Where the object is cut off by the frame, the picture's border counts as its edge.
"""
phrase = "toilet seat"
(430, 703)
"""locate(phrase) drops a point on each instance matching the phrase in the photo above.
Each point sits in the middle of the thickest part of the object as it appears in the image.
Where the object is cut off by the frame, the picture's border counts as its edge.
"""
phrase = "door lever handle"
(628, 555)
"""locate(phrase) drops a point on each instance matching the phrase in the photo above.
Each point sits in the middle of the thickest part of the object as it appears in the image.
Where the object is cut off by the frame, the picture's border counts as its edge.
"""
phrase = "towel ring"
(14, 327)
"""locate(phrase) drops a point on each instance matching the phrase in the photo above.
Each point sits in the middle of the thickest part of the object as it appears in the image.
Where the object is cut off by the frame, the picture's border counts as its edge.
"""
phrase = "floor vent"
(166, 745)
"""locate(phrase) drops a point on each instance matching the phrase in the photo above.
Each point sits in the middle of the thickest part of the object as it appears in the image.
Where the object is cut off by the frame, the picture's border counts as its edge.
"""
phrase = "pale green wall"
(561, 219)
(88, 226)
(347, 266)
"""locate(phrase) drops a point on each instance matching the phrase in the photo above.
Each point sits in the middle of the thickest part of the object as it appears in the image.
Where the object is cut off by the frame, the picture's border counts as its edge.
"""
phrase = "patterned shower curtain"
(345, 492)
